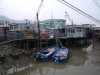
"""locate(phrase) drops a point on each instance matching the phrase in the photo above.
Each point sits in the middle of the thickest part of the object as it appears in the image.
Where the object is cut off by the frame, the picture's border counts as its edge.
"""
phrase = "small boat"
(45, 53)
(60, 55)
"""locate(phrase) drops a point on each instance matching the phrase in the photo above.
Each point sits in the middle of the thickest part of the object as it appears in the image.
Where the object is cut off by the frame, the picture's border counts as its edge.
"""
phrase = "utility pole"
(39, 38)
(37, 14)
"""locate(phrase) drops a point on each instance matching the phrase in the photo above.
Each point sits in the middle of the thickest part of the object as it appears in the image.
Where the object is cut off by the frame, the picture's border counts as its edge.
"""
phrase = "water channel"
(81, 61)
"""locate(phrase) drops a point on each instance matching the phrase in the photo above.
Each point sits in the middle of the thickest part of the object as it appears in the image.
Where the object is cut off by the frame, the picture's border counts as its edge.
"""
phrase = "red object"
(43, 35)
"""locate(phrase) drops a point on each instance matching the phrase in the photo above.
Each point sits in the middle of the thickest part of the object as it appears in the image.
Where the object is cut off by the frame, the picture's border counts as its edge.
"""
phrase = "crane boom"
(69, 18)
(39, 8)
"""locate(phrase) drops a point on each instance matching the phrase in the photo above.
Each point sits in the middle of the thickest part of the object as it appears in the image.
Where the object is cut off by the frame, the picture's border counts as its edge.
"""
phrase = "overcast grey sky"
(26, 9)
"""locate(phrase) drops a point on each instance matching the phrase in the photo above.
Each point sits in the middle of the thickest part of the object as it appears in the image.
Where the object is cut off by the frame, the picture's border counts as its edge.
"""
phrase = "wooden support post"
(12, 47)
(27, 44)
(24, 45)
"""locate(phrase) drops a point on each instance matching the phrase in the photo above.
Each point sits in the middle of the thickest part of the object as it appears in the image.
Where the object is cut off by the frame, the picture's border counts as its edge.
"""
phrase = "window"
(15, 26)
(63, 30)
(11, 26)
(79, 30)
(73, 31)
(50, 23)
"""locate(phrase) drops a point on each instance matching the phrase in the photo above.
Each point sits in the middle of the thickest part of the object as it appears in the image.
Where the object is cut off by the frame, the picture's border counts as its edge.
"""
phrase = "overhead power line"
(79, 11)
(96, 2)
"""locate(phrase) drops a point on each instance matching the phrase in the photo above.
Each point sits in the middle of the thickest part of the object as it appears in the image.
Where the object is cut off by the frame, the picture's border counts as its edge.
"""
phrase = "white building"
(48, 24)
(54, 22)
(72, 31)
(17, 26)
(97, 28)
(97, 32)
(90, 26)
(15, 30)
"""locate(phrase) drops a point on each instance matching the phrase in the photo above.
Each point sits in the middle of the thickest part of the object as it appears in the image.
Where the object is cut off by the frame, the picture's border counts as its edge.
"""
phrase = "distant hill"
(4, 18)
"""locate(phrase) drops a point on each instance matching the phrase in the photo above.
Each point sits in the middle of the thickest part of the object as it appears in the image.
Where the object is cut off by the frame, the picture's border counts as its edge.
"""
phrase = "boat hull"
(60, 55)
(45, 53)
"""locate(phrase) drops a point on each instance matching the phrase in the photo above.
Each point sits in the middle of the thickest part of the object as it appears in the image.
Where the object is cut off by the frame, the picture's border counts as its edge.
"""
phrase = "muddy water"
(80, 62)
